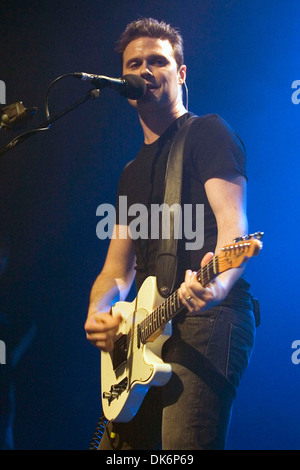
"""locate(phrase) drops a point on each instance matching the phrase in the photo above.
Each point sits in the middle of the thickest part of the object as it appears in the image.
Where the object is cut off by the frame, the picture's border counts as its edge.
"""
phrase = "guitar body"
(132, 367)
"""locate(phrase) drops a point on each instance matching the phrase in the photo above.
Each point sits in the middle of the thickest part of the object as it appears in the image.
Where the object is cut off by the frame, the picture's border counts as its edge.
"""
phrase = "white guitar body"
(125, 386)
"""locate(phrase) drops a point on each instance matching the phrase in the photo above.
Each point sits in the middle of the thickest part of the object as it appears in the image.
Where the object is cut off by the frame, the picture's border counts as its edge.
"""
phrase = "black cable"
(100, 428)
(47, 92)
(92, 94)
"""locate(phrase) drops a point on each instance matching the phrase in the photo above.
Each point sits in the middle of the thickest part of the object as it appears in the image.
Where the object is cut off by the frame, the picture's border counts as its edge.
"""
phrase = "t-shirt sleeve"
(218, 150)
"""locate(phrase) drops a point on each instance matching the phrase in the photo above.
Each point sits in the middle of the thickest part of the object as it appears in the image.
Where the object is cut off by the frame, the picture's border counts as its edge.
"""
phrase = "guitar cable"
(100, 428)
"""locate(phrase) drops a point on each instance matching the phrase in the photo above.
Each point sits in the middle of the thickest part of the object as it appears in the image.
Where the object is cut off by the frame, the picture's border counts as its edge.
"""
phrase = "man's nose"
(146, 70)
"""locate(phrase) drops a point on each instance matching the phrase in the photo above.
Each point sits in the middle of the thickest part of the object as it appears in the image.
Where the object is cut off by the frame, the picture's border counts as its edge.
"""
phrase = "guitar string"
(147, 322)
(162, 309)
(205, 278)
(149, 318)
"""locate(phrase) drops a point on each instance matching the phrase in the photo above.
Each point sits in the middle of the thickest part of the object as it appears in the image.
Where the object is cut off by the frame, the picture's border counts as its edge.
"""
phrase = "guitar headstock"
(238, 253)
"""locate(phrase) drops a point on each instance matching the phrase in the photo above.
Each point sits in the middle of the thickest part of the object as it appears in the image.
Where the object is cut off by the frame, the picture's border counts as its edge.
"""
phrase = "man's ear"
(182, 74)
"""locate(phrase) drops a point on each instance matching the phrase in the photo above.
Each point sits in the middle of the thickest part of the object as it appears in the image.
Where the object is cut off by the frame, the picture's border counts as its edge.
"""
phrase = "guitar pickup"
(119, 353)
(115, 390)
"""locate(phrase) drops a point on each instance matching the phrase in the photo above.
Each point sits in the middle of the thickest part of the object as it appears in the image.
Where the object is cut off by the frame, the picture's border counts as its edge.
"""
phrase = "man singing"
(212, 339)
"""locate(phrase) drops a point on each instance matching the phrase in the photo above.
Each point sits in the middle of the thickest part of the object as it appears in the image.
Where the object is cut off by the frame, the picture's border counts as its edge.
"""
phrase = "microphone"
(130, 86)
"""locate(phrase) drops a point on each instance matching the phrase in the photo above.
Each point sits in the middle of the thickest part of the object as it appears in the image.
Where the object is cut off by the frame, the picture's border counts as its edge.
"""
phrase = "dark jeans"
(209, 354)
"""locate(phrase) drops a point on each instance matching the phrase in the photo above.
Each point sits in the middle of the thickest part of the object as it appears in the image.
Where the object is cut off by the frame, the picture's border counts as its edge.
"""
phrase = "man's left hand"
(196, 297)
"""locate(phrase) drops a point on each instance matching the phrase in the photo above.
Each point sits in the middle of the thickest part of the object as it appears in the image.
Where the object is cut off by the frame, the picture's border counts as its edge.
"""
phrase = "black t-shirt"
(212, 149)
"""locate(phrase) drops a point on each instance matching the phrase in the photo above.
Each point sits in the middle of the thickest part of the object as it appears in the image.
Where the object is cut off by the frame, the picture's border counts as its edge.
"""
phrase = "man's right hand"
(101, 329)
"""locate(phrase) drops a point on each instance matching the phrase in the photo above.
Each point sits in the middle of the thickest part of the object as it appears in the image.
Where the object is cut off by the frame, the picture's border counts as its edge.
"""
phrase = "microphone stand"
(91, 95)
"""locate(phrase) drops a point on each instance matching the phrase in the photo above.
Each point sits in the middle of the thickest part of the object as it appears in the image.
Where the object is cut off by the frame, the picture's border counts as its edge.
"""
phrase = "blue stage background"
(242, 59)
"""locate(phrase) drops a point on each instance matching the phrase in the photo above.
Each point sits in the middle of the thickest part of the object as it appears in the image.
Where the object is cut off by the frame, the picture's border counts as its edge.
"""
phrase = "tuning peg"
(257, 235)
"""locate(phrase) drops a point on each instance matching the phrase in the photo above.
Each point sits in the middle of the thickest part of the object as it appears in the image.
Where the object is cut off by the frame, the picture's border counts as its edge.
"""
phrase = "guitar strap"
(166, 260)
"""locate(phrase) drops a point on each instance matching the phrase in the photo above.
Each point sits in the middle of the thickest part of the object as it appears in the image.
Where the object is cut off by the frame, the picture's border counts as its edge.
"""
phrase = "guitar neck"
(173, 305)
(231, 256)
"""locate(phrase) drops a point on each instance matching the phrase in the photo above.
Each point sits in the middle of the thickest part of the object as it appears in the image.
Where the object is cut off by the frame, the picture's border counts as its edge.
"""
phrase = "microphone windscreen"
(135, 87)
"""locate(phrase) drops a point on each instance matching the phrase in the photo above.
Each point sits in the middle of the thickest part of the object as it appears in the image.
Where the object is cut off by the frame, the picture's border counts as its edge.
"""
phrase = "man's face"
(153, 59)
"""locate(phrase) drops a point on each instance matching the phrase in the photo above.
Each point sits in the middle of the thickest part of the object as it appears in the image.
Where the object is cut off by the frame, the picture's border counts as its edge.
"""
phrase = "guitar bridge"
(115, 390)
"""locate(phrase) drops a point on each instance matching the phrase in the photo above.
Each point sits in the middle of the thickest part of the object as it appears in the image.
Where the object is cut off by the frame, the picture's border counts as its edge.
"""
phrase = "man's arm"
(112, 284)
(227, 198)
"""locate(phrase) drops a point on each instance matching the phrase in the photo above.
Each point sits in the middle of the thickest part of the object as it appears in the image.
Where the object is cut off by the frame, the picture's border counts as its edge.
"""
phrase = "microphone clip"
(15, 115)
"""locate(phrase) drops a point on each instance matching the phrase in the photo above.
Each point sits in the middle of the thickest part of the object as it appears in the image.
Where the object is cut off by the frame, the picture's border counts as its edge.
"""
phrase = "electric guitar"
(135, 363)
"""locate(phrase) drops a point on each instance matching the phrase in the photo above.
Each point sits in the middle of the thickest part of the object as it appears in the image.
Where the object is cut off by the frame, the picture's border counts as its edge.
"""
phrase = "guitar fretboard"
(173, 305)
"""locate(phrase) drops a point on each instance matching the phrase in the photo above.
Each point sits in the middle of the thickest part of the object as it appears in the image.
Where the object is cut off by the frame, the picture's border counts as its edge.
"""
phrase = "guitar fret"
(168, 308)
(172, 305)
(207, 275)
(215, 265)
(200, 276)
(162, 315)
(150, 323)
(209, 271)
(159, 317)
(147, 326)
(156, 319)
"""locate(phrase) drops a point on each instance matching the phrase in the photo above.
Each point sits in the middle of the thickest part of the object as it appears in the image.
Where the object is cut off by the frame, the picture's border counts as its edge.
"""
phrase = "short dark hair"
(149, 27)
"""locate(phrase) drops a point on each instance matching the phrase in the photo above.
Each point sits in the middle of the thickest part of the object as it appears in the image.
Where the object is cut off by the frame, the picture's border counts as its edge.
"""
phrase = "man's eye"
(134, 65)
(159, 61)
